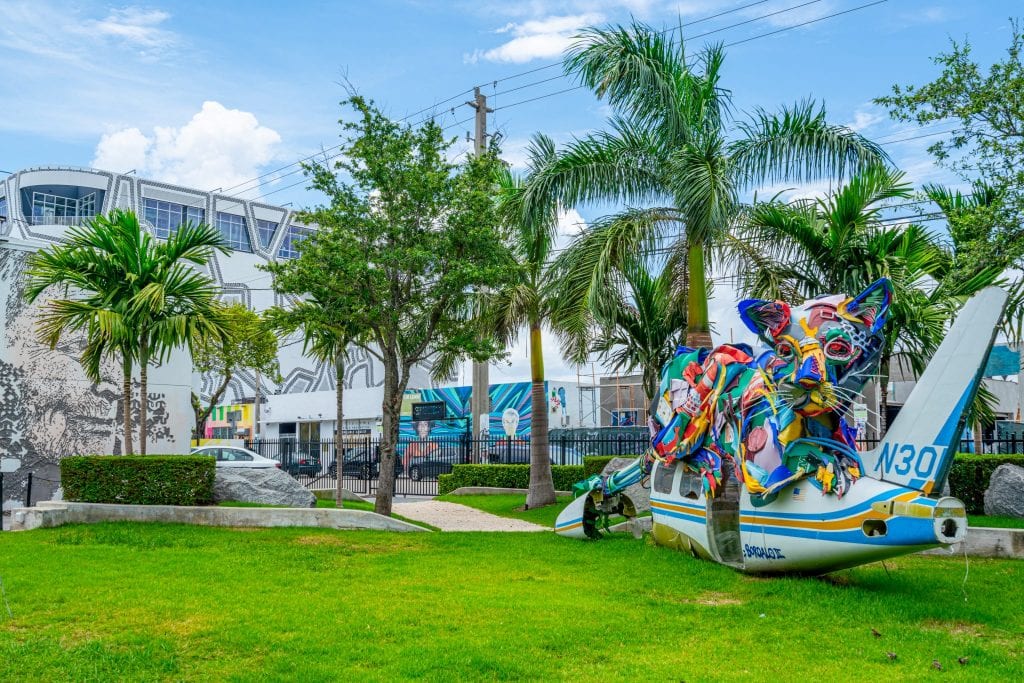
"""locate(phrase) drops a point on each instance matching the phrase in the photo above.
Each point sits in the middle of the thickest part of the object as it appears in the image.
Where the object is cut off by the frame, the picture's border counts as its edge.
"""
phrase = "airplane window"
(663, 477)
(690, 485)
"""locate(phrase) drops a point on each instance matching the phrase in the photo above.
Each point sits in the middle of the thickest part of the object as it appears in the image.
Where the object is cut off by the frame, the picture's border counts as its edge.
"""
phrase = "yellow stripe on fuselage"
(844, 524)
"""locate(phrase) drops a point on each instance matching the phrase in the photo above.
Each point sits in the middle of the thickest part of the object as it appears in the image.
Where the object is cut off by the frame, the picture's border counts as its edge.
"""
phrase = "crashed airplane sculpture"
(753, 464)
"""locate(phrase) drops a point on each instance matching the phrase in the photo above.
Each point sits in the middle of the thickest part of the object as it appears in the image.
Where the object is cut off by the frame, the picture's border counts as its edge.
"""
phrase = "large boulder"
(269, 486)
(1005, 492)
(640, 496)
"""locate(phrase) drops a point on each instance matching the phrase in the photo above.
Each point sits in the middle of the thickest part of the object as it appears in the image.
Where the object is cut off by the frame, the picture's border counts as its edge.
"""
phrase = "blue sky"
(213, 94)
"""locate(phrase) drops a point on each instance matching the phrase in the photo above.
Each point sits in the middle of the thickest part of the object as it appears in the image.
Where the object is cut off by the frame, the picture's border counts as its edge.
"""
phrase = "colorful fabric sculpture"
(778, 416)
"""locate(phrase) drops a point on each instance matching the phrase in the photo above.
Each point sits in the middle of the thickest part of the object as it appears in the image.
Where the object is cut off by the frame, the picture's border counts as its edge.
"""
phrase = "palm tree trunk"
(698, 329)
(143, 393)
(126, 400)
(339, 445)
(542, 487)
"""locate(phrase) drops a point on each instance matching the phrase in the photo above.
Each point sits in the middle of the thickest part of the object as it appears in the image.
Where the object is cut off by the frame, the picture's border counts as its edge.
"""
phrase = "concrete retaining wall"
(987, 542)
(494, 491)
(51, 514)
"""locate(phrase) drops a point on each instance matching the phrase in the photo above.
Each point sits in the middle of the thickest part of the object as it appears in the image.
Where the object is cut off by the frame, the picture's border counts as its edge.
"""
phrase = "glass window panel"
(266, 230)
(292, 238)
(233, 229)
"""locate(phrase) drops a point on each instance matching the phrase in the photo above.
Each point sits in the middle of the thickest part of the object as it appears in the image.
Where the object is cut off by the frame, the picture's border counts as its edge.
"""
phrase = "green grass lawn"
(994, 521)
(161, 602)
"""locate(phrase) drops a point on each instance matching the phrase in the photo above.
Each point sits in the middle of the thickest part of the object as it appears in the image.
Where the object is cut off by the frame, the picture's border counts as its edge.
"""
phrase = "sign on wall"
(434, 410)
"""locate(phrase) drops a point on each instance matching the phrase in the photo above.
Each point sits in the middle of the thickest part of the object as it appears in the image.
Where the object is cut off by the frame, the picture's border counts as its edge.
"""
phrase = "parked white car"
(236, 456)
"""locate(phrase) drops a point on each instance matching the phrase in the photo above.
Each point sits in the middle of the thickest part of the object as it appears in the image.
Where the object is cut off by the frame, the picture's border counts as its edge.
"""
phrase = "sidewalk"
(454, 517)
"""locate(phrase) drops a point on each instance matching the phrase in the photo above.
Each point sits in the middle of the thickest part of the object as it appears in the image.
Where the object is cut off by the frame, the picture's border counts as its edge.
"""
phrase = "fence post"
(28, 491)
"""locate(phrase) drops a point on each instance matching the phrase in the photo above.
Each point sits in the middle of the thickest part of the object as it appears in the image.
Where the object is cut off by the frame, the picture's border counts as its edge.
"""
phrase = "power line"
(738, 42)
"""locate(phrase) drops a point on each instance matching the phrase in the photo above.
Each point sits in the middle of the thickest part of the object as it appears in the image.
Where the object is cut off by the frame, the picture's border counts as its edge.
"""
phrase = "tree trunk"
(390, 409)
(339, 445)
(126, 398)
(698, 329)
(978, 445)
(143, 393)
(542, 487)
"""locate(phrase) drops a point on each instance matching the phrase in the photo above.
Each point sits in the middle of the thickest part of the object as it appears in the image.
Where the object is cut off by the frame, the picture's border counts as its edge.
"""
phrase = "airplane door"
(724, 520)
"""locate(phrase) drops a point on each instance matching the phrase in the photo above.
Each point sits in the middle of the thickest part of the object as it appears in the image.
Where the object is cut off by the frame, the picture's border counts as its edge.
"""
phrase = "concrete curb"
(494, 491)
(54, 514)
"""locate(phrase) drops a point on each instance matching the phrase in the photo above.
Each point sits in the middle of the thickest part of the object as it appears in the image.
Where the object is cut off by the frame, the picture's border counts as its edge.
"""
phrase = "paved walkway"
(454, 517)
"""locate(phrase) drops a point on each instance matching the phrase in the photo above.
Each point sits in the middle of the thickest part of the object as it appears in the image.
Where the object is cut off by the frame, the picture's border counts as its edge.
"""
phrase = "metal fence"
(421, 462)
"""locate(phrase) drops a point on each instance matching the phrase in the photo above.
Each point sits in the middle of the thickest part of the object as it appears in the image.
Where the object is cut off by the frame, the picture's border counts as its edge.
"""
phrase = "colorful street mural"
(513, 397)
(219, 427)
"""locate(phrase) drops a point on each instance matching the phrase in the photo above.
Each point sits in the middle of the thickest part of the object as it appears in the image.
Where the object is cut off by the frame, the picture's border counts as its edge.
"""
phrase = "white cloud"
(135, 26)
(218, 147)
(122, 151)
(543, 38)
(864, 119)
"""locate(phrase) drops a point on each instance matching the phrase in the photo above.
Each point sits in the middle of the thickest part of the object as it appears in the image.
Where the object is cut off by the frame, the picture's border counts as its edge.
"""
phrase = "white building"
(48, 409)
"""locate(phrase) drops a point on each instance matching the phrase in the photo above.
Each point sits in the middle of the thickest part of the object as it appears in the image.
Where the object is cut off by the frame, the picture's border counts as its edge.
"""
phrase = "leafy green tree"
(248, 343)
(406, 238)
(988, 109)
(675, 150)
(640, 321)
(130, 295)
(841, 244)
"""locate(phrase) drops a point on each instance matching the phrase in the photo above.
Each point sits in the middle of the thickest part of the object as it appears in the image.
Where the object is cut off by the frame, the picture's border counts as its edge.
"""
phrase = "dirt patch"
(954, 628)
(319, 540)
(715, 600)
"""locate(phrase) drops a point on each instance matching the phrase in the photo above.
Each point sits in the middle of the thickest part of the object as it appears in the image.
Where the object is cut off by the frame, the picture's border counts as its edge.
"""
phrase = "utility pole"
(480, 399)
(256, 410)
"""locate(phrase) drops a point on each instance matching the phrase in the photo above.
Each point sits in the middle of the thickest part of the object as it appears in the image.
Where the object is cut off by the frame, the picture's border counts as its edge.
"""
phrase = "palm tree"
(640, 323)
(525, 302)
(325, 337)
(137, 297)
(669, 151)
(841, 244)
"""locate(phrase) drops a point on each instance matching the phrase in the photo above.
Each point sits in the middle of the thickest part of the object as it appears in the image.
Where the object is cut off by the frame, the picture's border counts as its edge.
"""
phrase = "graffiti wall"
(49, 409)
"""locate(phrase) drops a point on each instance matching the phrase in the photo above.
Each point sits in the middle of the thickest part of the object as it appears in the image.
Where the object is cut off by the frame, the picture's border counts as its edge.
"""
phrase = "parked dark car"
(437, 462)
(360, 463)
(302, 464)
(518, 453)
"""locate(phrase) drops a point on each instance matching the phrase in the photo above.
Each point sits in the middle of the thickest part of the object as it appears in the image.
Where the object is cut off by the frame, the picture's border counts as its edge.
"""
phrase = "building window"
(234, 231)
(167, 217)
(52, 208)
(3, 208)
(266, 230)
(292, 238)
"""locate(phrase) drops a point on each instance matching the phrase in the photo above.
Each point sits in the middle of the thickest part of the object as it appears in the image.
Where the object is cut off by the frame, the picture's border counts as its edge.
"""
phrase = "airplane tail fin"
(919, 447)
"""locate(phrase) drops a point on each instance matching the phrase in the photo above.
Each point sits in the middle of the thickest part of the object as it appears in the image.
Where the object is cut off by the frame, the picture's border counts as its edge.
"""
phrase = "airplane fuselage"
(802, 530)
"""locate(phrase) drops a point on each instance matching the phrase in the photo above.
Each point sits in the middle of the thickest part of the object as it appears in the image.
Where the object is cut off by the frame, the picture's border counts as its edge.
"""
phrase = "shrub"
(505, 476)
(594, 464)
(970, 474)
(139, 480)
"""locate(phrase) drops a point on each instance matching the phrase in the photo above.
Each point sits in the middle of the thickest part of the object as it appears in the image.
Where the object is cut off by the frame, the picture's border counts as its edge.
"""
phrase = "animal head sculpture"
(824, 350)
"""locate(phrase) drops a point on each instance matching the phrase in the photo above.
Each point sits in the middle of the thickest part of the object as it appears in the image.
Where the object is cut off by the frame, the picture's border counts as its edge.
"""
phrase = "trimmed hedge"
(139, 480)
(505, 476)
(970, 474)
